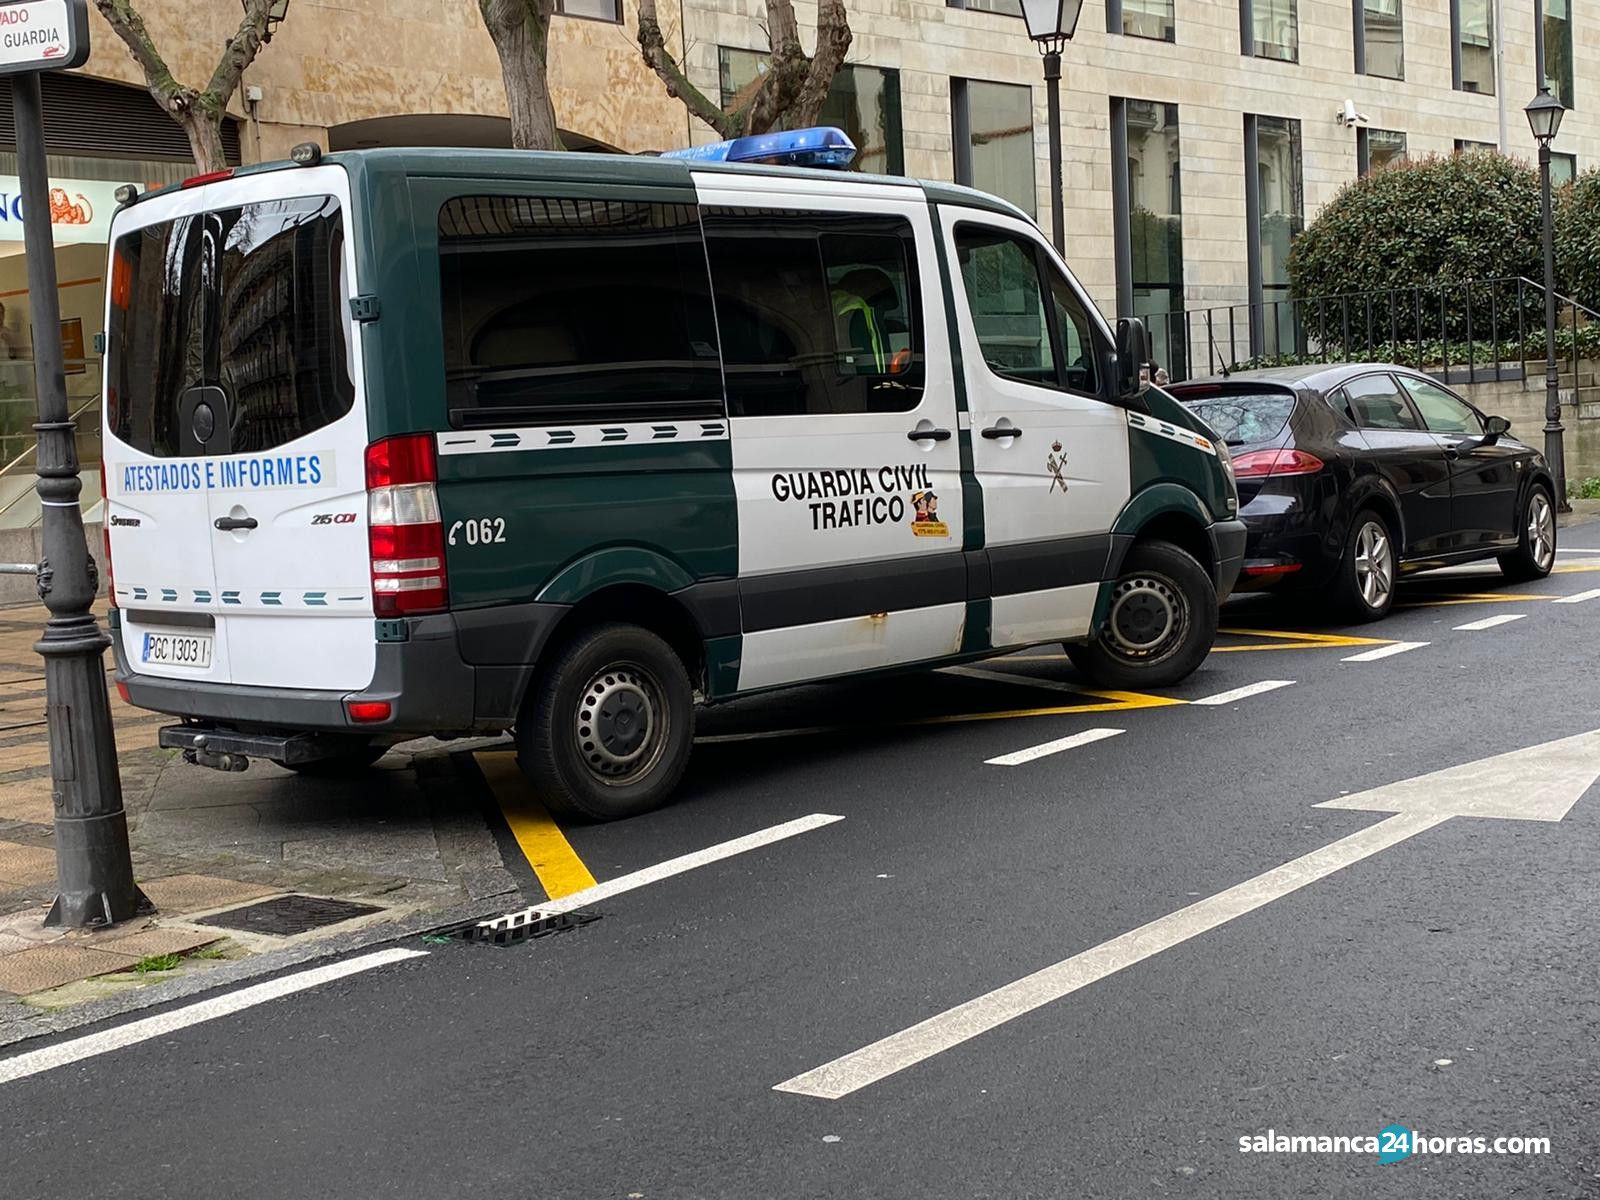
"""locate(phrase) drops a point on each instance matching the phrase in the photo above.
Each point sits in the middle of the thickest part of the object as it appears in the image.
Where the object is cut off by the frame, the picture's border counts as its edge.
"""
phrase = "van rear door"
(235, 433)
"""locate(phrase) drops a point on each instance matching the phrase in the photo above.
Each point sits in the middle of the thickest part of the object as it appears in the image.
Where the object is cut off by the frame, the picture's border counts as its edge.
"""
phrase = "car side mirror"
(1133, 358)
(1493, 427)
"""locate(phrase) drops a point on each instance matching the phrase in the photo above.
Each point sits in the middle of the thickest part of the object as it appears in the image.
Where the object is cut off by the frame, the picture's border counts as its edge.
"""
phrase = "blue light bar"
(823, 146)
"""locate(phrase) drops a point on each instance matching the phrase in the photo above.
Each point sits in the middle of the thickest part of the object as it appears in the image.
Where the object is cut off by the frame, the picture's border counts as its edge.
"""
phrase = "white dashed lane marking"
(1244, 693)
(1018, 757)
(1579, 598)
(1491, 622)
(1384, 652)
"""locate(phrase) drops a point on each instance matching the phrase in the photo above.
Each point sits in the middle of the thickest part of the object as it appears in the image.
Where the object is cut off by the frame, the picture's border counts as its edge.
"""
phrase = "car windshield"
(1240, 417)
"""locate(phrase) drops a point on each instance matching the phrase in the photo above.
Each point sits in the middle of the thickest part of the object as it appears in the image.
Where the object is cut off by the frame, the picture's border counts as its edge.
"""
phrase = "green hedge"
(1578, 240)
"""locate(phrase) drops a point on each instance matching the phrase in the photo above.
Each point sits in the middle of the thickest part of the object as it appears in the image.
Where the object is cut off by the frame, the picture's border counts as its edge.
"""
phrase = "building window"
(1006, 8)
(561, 310)
(1563, 169)
(1147, 192)
(1378, 148)
(1558, 49)
(1270, 29)
(863, 101)
(819, 313)
(595, 10)
(1153, 19)
(1380, 39)
(994, 139)
(1275, 214)
(1474, 37)
(1466, 146)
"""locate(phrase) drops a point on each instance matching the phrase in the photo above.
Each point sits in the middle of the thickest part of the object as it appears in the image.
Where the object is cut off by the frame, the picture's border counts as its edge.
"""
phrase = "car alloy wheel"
(621, 724)
(1149, 618)
(1541, 530)
(1374, 563)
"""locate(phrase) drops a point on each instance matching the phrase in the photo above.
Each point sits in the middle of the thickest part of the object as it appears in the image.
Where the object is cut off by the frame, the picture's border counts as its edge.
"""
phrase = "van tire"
(1160, 579)
(607, 727)
(347, 760)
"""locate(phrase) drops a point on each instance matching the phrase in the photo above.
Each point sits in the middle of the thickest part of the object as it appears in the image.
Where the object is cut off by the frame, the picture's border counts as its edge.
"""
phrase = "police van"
(456, 442)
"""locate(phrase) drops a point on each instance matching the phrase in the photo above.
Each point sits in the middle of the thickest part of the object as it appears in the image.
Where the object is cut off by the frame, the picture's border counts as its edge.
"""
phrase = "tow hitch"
(230, 750)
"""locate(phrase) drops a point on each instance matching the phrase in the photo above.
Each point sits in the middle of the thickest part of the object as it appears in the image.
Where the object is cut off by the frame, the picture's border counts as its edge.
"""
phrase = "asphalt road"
(1446, 983)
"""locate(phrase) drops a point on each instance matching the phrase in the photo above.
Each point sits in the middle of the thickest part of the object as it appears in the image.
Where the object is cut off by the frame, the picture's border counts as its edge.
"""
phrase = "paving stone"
(148, 942)
(29, 924)
(23, 866)
(27, 802)
(46, 967)
(192, 893)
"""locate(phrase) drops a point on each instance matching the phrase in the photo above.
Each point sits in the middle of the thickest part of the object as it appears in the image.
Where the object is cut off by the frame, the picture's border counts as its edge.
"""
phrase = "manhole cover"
(284, 915)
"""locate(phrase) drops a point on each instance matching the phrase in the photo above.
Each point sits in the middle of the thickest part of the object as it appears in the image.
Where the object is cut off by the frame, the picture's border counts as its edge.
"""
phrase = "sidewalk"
(405, 837)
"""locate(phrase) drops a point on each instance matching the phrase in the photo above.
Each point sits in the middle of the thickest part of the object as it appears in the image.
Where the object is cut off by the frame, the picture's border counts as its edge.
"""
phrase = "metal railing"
(31, 450)
(1466, 332)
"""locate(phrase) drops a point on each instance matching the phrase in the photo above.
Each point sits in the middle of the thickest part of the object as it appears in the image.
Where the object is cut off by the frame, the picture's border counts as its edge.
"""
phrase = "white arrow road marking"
(1580, 597)
(1384, 652)
(1540, 783)
(78, 1049)
(1018, 757)
(1244, 693)
(1491, 622)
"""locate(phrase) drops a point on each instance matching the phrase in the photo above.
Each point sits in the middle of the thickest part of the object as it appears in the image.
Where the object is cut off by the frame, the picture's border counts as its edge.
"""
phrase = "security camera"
(1348, 115)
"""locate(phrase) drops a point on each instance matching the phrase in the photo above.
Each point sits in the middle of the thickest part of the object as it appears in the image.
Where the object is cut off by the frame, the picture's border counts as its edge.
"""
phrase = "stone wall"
(1524, 408)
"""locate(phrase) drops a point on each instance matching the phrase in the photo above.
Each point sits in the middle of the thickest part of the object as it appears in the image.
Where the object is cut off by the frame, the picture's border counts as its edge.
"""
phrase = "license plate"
(178, 649)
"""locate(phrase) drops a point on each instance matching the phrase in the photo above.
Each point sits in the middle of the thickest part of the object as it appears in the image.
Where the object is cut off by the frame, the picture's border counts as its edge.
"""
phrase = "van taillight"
(404, 530)
(105, 536)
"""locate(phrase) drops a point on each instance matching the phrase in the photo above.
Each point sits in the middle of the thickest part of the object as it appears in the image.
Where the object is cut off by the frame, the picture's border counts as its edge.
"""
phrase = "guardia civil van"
(451, 442)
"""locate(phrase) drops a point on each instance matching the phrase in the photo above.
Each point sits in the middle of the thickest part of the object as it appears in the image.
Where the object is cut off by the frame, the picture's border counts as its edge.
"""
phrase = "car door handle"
(1451, 453)
(929, 435)
(1002, 431)
(229, 524)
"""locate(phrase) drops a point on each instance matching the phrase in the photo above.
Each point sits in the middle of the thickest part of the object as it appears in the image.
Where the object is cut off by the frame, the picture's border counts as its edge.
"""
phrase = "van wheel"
(1162, 622)
(346, 760)
(607, 729)
(1535, 554)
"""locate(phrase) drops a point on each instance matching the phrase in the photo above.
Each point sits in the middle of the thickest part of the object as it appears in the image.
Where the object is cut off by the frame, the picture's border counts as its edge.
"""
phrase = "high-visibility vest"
(847, 303)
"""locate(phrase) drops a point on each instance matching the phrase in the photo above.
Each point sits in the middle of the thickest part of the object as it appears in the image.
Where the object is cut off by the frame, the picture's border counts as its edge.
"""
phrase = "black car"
(1352, 475)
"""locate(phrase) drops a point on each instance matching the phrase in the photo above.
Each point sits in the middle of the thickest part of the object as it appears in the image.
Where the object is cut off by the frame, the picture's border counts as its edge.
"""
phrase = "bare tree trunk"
(205, 138)
(199, 113)
(792, 90)
(520, 30)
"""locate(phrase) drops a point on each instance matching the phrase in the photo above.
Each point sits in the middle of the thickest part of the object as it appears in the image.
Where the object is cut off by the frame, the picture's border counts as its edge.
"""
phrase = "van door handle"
(1002, 431)
(229, 524)
(929, 435)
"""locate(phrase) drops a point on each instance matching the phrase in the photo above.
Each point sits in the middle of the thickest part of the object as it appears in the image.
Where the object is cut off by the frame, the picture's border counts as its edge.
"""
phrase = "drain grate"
(515, 928)
(285, 915)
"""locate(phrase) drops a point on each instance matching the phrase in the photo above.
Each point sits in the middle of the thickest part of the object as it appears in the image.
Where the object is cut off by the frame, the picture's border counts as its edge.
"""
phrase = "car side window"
(1379, 403)
(1441, 411)
(1031, 326)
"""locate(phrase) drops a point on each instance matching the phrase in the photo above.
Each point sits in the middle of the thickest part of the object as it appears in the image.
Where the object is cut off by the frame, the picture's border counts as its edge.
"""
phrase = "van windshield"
(229, 330)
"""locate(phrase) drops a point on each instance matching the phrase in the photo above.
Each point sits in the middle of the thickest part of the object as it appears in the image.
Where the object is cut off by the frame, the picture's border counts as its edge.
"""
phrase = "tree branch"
(654, 47)
(833, 43)
(238, 54)
(129, 26)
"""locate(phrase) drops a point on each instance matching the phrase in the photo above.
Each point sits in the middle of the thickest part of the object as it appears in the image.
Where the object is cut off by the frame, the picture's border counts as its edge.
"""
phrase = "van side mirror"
(1133, 358)
(1494, 427)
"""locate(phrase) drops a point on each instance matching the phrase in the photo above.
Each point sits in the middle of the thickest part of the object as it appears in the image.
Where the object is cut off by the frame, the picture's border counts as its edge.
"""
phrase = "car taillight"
(105, 537)
(404, 529)
(1258, 464)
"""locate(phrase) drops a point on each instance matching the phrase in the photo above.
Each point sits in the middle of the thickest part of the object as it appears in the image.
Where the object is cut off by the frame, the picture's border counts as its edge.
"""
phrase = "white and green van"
(409, 442)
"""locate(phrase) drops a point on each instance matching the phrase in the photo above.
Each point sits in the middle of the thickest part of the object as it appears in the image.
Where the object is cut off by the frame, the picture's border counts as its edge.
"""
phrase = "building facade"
(1198, 135)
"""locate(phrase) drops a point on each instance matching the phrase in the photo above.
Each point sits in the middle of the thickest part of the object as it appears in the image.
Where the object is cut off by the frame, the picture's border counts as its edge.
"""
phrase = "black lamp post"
(1544, 118)
(1051, 24)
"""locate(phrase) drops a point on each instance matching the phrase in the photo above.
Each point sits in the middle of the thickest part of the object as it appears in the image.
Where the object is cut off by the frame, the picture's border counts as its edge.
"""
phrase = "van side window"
(564, 310)
(818, 312)
(1024, 336)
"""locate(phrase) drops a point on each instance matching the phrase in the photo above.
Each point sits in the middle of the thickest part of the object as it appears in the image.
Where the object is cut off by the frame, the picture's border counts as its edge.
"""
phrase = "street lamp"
(1051, 24)
(1544, 118)
(276, 12)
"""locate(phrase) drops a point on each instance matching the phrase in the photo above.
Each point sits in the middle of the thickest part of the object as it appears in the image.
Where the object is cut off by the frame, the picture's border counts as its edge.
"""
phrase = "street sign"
(1539, 783)
(43, 35)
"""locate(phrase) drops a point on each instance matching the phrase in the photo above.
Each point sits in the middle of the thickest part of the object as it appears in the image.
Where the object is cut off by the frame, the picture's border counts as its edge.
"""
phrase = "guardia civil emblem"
(1056, 462)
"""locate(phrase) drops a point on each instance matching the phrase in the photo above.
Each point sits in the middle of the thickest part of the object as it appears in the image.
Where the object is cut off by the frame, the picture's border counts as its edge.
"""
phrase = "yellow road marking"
(1574, 568)
(561, 872)
(1451, 598)
(1295, 641)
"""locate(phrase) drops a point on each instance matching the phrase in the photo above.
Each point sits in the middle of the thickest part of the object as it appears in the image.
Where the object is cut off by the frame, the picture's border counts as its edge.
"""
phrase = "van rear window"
(561, 310)
(229, 329)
